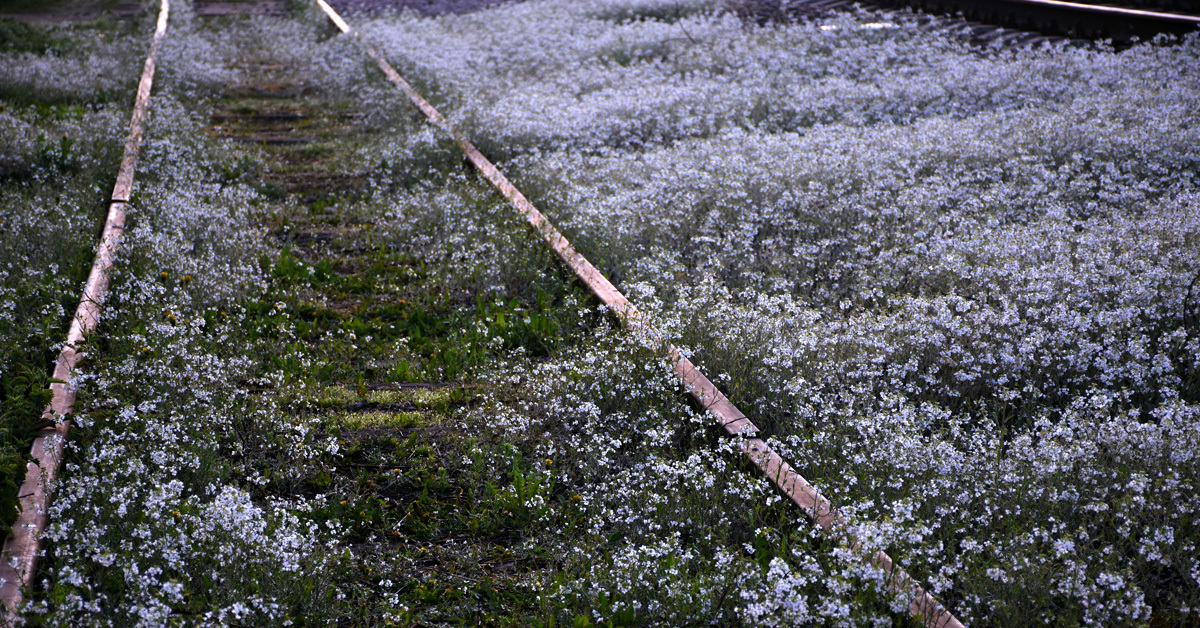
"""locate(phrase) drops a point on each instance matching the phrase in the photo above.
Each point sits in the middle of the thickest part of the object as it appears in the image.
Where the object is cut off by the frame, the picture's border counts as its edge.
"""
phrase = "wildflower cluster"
(338, 381)
(957, 285)
(51, 204)
(161, 509)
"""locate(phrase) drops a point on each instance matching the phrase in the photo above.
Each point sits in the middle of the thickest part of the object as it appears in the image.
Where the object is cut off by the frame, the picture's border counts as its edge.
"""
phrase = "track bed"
(339, 381)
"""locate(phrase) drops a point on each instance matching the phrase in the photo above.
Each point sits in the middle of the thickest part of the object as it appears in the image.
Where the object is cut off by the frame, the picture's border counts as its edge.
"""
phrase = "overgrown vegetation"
(339, 382)
(55, 162)
(348, 372)
(954, 283)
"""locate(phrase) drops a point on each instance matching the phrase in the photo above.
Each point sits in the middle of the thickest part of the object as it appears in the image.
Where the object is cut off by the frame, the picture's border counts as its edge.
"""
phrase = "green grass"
(22, 37)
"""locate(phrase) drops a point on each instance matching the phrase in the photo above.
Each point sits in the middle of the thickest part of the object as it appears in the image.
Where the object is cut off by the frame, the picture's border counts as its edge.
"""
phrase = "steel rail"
(19, 559)
(1114, 11)
(1075, 19)
(728, 416)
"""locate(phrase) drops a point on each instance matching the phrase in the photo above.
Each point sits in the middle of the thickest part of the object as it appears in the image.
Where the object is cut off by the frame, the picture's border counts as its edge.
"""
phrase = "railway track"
(290, 130)
(274, 126)
(278, 126)
(1017, 22)
(1121, 24)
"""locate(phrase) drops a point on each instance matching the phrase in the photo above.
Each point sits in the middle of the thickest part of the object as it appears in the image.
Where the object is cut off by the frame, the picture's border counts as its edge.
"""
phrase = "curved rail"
(728, 416)
(21, 549)
(1180, 18)
(1060, 17)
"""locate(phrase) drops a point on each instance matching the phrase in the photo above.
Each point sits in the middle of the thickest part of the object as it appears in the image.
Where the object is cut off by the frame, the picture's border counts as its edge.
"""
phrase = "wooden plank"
(21, 548)
(732, 420)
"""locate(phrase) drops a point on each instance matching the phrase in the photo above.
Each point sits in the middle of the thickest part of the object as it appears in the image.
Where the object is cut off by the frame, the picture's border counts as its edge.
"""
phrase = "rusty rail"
(20, 554)
(727, 415)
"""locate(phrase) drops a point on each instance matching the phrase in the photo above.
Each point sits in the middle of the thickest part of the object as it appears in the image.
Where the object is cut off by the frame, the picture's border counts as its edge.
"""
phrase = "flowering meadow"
(58, 150)
(339, 382)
